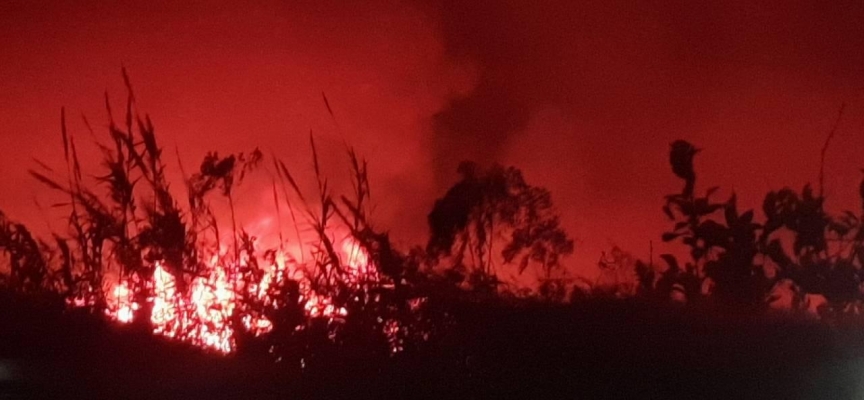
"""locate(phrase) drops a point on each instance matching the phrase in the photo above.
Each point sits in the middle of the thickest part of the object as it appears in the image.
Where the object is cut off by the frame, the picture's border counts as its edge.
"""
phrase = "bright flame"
(357, 262)
(203, 314)
(121, 307)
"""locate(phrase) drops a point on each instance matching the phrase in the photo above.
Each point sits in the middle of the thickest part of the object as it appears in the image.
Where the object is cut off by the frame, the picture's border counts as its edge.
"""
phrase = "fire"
(203, 315)
(357, 263)
(120, 304)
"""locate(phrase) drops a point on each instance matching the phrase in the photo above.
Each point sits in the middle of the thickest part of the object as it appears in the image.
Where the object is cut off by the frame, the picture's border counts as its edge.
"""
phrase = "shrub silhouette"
(722, 242)
(824, 256)
(29, 270)
(826, 251)
(722, 246)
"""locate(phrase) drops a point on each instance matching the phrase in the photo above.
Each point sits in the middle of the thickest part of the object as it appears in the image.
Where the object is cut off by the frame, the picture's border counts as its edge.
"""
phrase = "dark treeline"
(435, 317)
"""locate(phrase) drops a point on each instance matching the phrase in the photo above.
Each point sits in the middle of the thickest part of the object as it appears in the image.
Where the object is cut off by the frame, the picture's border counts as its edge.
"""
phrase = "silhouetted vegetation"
(735, 261)
(722, 243)
(442, 311)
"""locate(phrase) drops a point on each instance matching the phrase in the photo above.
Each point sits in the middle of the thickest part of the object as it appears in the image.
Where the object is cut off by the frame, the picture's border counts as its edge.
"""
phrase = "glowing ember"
(392, 330)
(318, 306)
(258, 326)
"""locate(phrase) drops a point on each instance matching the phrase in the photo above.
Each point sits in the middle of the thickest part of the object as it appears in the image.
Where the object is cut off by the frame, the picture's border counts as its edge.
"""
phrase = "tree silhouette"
(495, 207)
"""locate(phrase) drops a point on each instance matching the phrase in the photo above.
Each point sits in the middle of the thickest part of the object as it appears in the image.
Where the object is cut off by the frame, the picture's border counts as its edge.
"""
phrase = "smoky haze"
(585, 97)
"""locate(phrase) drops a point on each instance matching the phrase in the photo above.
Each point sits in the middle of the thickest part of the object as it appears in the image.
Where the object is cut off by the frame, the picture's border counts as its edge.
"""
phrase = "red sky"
(584, 97)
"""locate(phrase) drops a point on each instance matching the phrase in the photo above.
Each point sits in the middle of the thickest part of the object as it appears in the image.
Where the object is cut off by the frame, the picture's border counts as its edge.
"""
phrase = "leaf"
(76, 165)
(703, 207)
(287, 175)
(713, 233)
(670, 236)
(731, 211)
(841, 228)
(48, 181)
(711, 191)
(327, 103)
(747, 217)
(769, 206)
(671, 261)
(668, 212)
(42, 164)
(64, 134)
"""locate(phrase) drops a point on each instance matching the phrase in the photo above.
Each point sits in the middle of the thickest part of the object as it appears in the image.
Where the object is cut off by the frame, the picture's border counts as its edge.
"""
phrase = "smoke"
(586, 97)
(582, 58)
(583, 96)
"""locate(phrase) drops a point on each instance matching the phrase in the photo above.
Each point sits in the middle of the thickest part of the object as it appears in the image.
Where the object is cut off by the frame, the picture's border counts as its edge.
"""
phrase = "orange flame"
(203, 316)
(120, 305)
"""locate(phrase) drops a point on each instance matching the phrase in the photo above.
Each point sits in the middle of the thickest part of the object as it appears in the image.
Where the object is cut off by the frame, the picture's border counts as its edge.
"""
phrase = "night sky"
(584, 96)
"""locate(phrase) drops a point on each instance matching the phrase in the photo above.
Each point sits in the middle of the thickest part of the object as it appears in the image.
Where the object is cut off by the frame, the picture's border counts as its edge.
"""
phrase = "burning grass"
(141, 259)
(204, 314)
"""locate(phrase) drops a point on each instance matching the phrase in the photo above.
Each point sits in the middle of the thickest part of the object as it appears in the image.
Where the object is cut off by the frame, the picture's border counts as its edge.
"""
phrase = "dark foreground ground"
(594, 350)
